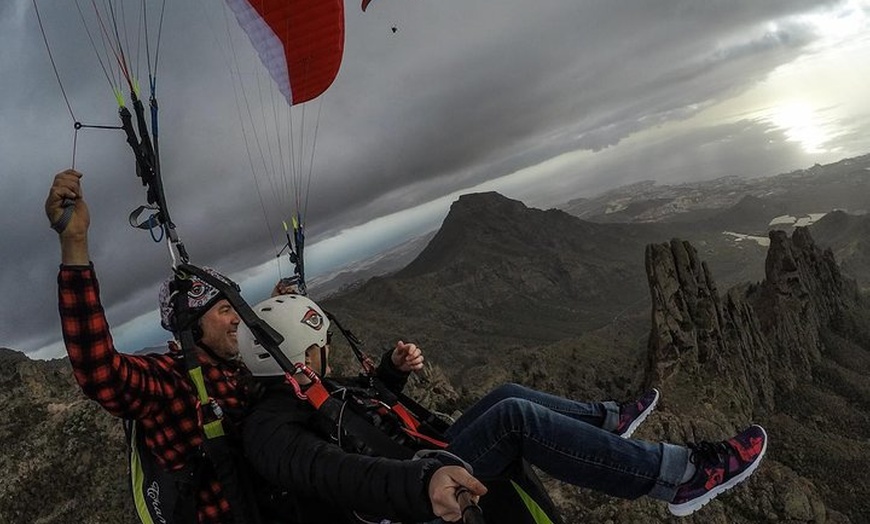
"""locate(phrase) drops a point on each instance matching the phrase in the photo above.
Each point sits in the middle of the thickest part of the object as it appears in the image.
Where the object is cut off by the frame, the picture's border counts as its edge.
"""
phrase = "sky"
(542, 101)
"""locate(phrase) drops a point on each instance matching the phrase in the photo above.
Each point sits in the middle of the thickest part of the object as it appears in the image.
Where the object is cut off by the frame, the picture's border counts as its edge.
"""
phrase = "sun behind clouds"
(802, 124)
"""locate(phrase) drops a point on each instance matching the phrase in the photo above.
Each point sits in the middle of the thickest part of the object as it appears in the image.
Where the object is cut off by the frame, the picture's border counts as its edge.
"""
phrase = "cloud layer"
(461, 95)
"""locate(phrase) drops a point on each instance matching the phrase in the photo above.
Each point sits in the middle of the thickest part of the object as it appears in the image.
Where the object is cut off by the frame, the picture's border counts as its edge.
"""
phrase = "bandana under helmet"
(200, 298)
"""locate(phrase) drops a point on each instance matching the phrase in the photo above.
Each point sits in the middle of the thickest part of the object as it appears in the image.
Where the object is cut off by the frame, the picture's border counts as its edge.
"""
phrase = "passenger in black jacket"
(292, 446)
(586, 444)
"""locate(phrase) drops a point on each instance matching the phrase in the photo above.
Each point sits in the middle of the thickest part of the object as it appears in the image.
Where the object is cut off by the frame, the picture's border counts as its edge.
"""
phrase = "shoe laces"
(709, 452)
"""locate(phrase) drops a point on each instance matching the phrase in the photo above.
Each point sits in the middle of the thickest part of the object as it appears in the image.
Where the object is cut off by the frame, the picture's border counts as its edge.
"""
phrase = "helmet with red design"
(298, 319)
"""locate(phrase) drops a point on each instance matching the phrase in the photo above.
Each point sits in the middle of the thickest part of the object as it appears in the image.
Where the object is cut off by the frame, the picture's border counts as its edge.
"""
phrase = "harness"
(163, 497)
(384, 423)
(362, 421)
(169, 497)
(417, 421)
(160, 496)
(216, 446)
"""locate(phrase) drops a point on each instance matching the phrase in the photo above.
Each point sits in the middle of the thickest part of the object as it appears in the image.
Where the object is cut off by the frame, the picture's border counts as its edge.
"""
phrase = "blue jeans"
(571, 441)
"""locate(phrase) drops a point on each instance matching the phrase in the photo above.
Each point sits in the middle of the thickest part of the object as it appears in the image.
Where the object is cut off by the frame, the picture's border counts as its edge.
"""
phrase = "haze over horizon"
(543, 102)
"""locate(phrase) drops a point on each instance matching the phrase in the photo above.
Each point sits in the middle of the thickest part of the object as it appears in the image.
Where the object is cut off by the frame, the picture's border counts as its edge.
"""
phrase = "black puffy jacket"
(290, 446)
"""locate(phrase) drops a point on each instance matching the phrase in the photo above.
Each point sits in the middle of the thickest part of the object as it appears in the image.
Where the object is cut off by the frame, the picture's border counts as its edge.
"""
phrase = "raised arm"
(124, 385)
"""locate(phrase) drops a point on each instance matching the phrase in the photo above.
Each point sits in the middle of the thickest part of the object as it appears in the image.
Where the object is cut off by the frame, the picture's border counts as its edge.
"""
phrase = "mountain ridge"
(578, 308)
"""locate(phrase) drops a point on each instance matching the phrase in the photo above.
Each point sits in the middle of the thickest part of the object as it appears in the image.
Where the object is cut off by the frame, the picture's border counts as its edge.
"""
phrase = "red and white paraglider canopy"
(300, 42)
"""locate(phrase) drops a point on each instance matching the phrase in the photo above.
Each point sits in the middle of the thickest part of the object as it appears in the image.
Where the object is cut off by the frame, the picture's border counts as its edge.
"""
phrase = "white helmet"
(299, 320)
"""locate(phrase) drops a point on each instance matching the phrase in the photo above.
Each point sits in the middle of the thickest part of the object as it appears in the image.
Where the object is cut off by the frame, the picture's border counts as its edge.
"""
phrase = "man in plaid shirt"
(153, 389)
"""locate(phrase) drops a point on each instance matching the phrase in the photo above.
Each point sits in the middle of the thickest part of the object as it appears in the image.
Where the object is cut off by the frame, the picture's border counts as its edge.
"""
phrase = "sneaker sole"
(642, 417)
(687, 508)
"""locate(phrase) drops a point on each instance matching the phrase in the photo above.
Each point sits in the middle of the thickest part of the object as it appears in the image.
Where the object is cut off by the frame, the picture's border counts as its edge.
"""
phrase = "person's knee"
(509, 390)
(515, 410)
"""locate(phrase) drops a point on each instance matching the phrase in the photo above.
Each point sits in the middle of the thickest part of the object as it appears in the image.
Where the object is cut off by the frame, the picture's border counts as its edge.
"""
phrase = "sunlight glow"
(802, 125)
(840, 24)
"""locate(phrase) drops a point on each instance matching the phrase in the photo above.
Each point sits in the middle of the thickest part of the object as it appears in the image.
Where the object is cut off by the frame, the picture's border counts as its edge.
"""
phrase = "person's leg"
(604, 415)
(568, 449)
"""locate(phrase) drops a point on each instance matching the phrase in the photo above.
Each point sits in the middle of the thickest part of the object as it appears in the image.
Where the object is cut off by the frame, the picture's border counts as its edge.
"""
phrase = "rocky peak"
(500, 272)
(756, 338)
(802, 294)
(697, 339)
(36, 380)
(797, 270)
(484, 225)
(9, 363)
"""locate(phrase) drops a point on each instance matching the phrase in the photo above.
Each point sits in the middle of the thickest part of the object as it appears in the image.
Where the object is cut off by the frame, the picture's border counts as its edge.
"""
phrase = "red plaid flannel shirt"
(153, 389)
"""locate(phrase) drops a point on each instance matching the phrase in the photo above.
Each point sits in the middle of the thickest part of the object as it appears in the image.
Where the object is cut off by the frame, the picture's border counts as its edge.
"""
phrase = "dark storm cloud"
(604, 88)
(459, 95)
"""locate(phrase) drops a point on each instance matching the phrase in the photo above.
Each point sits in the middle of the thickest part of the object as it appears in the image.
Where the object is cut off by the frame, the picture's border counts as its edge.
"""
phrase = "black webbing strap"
(144, 157)
(148, 169)
(215, 442)
(435, 425)
(425, 415)
(379, 444)
(264, 333)
(355, 345)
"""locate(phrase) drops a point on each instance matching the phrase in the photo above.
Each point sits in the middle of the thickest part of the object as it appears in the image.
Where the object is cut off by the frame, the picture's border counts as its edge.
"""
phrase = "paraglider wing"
(365, 3)
(299, 41)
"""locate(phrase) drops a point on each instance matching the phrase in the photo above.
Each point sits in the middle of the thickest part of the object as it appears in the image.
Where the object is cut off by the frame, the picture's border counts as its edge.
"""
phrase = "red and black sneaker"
(720, 467)
(632, 414)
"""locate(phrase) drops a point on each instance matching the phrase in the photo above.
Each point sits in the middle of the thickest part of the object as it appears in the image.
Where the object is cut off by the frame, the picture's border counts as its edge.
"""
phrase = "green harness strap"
(214, 428)
(138, 479)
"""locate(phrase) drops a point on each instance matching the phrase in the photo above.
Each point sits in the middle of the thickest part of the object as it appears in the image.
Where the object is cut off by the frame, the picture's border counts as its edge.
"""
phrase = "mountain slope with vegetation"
(577, 308)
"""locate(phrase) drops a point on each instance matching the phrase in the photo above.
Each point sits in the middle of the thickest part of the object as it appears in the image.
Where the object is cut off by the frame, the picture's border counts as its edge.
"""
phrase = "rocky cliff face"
(766, 352)
(62, 457)
(760, 337)
(699, 340)
(803, 294)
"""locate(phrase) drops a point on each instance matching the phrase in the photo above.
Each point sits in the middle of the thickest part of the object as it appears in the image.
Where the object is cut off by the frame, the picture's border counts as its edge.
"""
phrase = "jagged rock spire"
(756, 338)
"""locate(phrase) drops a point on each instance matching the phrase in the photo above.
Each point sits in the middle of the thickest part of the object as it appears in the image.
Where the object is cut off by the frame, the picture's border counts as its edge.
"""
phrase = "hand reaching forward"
(407, 357)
